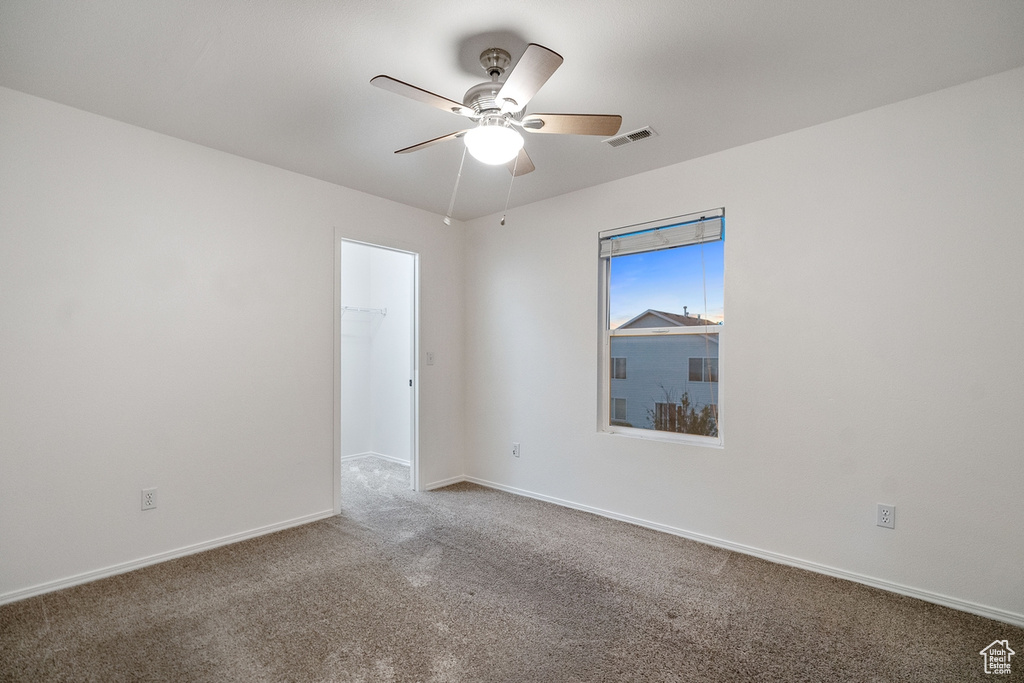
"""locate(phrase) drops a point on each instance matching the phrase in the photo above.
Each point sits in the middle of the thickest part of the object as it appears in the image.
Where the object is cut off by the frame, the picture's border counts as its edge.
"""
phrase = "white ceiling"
(287, 82)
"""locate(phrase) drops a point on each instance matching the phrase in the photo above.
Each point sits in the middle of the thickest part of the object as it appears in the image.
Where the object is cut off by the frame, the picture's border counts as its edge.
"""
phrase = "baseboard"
(935, 598)
(374, 454)
(447, 482)
(125, 567)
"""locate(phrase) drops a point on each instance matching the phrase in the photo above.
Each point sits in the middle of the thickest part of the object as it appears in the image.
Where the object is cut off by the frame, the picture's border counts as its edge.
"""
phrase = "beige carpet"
(469, 584)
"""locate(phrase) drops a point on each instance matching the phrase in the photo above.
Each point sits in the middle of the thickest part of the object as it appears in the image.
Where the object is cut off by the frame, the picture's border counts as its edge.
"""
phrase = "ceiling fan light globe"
(494, 145)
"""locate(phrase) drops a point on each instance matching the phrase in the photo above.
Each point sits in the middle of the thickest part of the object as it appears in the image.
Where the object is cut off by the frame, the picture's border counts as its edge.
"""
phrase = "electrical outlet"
(887, 516)
(515, 449)
(148, 499)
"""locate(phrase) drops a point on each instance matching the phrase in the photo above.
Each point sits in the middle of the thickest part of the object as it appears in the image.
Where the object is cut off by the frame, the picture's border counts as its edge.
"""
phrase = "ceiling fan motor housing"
(482, 99)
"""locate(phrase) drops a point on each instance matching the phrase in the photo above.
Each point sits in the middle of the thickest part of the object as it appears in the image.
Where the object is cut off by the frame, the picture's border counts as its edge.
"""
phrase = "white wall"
(376, 352)
(167, 319)
(872, 350)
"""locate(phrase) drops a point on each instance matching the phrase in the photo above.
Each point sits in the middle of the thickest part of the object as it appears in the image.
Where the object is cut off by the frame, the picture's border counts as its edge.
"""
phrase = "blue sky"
(667, 280)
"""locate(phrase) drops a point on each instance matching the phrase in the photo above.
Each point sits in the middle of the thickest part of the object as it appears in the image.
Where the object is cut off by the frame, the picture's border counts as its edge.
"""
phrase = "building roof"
(653, 318)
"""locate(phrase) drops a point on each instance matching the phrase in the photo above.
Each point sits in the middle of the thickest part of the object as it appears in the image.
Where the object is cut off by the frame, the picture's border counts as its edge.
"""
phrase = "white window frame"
(605, 337)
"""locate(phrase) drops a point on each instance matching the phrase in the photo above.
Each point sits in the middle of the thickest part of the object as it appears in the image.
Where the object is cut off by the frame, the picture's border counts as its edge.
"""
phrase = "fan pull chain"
(514, 167)
(451, 204)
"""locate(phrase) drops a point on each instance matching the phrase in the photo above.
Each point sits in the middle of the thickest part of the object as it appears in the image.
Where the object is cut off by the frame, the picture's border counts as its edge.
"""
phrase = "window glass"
(661, 375)
(668, 280)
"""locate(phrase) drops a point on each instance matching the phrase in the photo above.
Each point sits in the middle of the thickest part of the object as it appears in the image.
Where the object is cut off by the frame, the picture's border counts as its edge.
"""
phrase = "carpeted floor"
(469, 584)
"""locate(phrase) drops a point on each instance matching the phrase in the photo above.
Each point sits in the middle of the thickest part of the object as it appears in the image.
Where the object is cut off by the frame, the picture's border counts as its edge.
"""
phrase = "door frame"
(414, 407)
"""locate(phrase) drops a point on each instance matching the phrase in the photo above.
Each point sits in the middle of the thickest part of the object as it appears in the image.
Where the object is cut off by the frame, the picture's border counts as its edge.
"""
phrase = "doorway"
(377, 374)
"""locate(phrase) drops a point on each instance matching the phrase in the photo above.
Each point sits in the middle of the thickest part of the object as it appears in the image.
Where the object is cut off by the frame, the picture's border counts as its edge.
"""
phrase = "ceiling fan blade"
(430, 143)
(521, 165)
(532, 71)
(420, 95)
(573, 124)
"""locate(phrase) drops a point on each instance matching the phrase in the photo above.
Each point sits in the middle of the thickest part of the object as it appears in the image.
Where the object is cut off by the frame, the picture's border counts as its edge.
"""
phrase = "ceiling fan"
(499, 109)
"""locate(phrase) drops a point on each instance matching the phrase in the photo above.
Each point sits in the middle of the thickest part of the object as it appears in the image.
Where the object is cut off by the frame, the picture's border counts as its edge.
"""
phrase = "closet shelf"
(359, 309)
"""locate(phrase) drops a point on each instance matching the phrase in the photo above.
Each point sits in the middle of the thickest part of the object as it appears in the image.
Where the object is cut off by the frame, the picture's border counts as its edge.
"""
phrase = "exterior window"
(618, 410)
(663, 317)
(665, 416)
(703, 369)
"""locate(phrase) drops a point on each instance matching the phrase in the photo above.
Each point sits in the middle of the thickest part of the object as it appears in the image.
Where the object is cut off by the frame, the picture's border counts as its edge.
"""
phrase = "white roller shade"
(664, 236)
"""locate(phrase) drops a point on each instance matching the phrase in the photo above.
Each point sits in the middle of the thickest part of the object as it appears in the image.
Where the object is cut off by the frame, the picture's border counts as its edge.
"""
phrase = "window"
(665, 416)
(618, 410)
(703, 369)
(663, 317)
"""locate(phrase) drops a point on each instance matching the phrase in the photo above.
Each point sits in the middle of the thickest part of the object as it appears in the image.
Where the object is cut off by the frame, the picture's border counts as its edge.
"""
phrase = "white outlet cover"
(886, 516)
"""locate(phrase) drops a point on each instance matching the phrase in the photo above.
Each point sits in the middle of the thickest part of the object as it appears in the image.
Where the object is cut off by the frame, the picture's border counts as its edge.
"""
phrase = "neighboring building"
(650, 374)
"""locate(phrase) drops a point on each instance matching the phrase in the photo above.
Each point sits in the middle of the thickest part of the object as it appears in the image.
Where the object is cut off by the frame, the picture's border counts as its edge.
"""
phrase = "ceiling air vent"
(635, 136)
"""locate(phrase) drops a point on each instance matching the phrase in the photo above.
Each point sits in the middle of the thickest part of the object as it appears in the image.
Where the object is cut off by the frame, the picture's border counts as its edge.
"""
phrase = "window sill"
(668, 437)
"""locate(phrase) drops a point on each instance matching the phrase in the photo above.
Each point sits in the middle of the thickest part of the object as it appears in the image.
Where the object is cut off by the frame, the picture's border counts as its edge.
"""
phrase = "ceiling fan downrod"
(495, 62)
